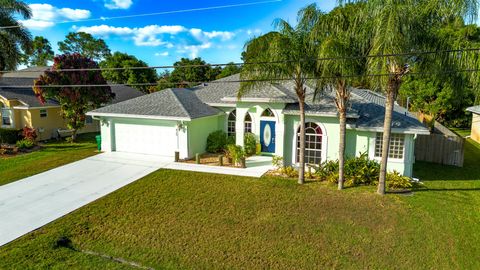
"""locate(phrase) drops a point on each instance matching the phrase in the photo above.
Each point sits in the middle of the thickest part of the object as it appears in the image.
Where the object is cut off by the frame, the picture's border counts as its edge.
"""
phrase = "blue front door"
(267, 136)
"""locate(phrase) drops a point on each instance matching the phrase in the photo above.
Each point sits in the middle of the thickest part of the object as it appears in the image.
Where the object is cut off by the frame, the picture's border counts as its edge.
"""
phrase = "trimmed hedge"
(10, 136)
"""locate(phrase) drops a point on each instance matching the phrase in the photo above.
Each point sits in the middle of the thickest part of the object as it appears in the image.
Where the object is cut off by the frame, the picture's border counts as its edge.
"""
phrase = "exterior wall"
(108, 132)
(255, 110)
(476, 127)
(357, 142)
(198, 131)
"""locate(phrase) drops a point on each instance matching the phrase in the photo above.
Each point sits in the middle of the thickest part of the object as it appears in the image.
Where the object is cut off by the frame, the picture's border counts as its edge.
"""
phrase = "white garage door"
(146, 139)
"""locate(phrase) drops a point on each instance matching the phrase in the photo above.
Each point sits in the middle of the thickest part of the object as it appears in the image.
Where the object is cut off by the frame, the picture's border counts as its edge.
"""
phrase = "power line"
(156, 13)
(256, 63)
(199, 83)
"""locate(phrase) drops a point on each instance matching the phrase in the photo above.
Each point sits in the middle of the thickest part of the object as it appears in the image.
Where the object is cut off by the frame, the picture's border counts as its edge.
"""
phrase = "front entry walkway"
(32, 202)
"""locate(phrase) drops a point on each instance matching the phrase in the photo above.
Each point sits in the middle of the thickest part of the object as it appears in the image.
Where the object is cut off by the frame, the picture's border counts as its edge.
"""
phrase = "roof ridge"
(182, 106)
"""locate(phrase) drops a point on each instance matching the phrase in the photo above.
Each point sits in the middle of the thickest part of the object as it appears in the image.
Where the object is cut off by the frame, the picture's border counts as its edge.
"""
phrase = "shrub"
(216, 141)
(25, 144)
(29, 133)
(230, 140)
(250, 144)
(277, 161)
(358, 171)
(397, 181)
(235, 152)
(289, 171)
(9, 136)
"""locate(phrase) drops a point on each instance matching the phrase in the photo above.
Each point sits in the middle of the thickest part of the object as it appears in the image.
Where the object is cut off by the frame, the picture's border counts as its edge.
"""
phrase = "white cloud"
(104, 30)
(118, 4)
(203, 35)
(194, 50)
(162, 54)
(254, 32)
(45, 15)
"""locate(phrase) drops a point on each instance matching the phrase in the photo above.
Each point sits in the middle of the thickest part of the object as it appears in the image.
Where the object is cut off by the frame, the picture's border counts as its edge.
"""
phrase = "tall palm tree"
(284, 54)
(399, 27)
(333, 34)
(14, 38)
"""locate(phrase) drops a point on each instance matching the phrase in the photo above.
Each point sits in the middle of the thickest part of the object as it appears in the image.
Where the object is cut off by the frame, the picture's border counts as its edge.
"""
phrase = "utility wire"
(156, 13)
(255, 63)
(200, 83)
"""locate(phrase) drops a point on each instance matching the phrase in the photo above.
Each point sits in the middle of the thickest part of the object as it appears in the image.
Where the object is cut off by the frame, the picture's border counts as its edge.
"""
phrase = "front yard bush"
(25, 144)
(216, 141)
(397, 181)
(250, 142)
(10, 136)
(235, 152)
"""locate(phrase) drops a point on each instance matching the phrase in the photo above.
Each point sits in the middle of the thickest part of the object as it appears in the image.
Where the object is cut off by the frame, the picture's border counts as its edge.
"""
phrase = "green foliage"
(235, 152)
(228, 70)
(128, 76)
(41, 52)
(231, 140)
(74, 101)
(25, 144)
(289, 171)
(250, 144)
(182, 75)
(29, 133)
(277, 161)
(84, 44)
(216, 141)
(10, 136)
(15, 39)
(397, 181)
(358, 171)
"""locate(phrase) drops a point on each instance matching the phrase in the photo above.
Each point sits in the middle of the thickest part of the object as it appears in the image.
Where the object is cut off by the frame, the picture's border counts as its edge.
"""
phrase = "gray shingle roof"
(178, 103)
(474, 109)
(27, 96)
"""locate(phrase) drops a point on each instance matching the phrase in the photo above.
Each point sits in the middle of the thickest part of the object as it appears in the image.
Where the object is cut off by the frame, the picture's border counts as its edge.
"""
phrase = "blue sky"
(216, 35)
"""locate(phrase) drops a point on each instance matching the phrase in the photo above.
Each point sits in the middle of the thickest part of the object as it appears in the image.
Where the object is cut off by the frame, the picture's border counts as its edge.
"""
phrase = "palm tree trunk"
(301, 159)
(341, 150)
(387, 128)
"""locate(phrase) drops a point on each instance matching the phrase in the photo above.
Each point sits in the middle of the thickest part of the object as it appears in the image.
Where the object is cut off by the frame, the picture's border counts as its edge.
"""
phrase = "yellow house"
(20, 108)
(475, 123)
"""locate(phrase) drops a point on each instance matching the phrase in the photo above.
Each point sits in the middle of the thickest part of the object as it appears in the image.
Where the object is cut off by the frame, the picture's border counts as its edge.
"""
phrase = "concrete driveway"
(32, 202)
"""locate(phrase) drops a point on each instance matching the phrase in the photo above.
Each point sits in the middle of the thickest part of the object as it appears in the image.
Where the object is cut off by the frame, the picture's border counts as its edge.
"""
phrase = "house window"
(268, 113)
(397, 146)
(232, 119)
(88, 120)
(43, 113)
(248, 123)
(6, 117)
(313, 143)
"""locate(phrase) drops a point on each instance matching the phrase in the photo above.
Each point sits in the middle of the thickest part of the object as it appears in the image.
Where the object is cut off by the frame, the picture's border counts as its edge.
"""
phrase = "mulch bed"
(7, 150)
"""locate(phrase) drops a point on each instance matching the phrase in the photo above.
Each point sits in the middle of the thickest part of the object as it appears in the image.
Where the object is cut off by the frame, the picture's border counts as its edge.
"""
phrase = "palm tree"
(333, 34)
(14, 38)
(283, 54)
(399, 27)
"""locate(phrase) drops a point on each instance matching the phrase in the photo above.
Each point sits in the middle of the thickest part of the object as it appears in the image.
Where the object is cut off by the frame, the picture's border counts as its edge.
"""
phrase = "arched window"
(248, 123)
(232, 119)
(268, 113)
(313, 143)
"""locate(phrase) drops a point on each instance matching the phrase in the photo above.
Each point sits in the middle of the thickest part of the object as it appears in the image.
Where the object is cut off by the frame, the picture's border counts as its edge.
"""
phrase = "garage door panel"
(145, 139)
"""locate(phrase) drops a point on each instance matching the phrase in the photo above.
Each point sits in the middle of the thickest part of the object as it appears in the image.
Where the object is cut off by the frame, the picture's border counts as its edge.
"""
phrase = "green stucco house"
(181, 119)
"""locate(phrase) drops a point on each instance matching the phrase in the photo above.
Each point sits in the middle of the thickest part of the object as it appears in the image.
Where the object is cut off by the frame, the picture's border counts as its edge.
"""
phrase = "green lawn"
(464, 132)
(178, 220)
(52, 155)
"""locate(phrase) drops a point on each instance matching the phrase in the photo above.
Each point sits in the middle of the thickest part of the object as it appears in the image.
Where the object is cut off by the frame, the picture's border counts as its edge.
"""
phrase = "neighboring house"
(20, 108)
(475, 122)
(181, 119)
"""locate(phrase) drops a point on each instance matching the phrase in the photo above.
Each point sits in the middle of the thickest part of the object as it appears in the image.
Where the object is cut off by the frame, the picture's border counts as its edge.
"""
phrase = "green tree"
(128, 76)
(228, 70)
(399, 27)
(74, 101)
(14, 38)
(41, 52)
(197, 70)
(84, 44)
(332, 34)
(289, 55)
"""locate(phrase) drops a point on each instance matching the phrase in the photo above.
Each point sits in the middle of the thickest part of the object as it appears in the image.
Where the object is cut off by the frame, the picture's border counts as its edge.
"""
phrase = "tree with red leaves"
(74, 100)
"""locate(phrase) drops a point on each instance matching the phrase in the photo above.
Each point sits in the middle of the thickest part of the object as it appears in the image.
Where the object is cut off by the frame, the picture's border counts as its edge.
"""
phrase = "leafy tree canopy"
(40, 54)
(200, 72)
(74, 101)
(84, 44)
(128, 76)
(229, 70)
